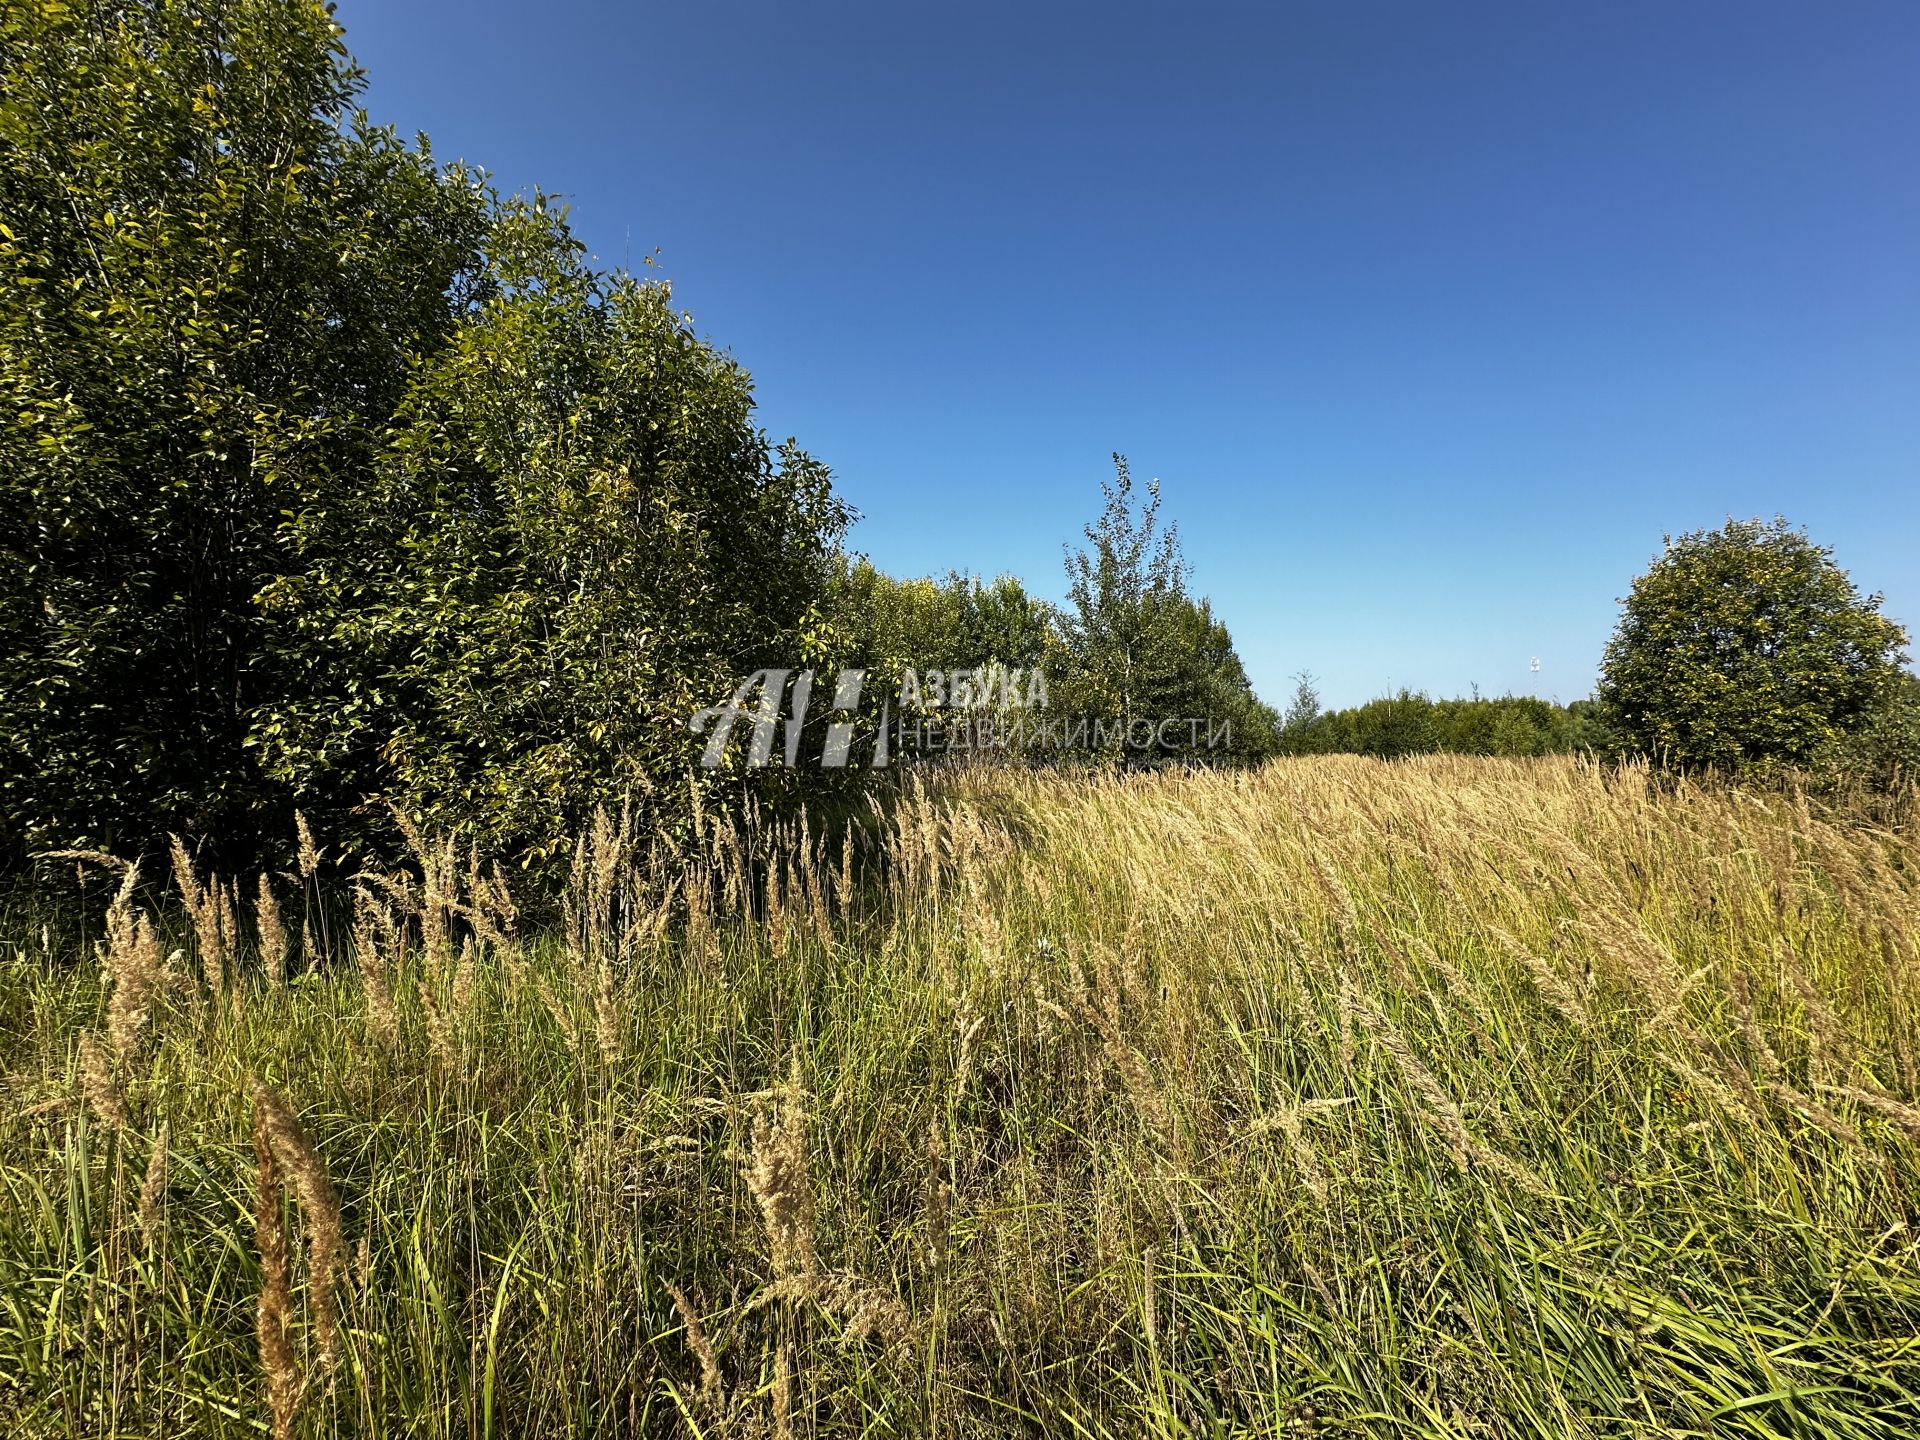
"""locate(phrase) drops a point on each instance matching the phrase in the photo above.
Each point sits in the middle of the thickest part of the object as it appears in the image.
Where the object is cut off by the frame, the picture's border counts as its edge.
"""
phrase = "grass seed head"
(100, 1085)
(300, 1164)
(777, 1178)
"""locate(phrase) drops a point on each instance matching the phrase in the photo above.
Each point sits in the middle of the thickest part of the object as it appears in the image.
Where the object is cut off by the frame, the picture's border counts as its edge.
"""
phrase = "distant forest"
(1408, 723)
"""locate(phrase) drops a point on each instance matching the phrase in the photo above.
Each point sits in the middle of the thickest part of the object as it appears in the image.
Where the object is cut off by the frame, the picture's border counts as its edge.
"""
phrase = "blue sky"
(1431, 319)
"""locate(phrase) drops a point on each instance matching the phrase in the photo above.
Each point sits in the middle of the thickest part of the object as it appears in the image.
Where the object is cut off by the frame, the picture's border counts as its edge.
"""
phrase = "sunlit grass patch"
(1444, 1097)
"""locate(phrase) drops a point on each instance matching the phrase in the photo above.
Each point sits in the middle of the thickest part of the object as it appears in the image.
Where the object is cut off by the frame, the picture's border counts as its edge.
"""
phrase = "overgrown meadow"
(1441, 1097)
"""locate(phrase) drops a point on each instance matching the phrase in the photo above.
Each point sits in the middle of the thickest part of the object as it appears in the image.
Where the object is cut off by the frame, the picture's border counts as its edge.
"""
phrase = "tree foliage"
(1747, 647)
(1409, 723)
(1209, 683)
(1137, 645)
(574, 539)
(1120, 627)
(214, 276)
(1304, 708)
(888, 625)
(1884, 753)
(331, 480)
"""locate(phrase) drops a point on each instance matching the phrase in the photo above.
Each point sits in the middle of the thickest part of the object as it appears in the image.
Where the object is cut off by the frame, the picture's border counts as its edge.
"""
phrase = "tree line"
(1409, 723)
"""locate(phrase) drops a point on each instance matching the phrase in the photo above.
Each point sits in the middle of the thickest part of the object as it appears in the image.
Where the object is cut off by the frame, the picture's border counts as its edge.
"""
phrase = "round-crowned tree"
(1748, 647)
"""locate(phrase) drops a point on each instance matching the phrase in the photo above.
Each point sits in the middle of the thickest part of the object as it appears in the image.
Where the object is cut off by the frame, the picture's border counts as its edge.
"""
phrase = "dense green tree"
(1748, 647)
(1208, 684)
(214, 277)
(1884, 753)
(1401, 724)
(1001, 624)
(1583, 729)
(887, 626)
(574, 540)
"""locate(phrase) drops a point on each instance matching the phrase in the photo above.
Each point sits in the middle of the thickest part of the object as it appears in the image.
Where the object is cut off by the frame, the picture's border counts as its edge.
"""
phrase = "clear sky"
(1431, 318)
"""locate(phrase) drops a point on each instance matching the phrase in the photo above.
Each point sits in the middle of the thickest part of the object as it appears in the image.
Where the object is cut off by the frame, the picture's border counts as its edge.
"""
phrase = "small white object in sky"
(1534, 664)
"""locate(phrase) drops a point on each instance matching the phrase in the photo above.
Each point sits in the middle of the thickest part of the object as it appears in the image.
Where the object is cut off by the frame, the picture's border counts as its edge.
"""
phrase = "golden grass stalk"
(274, 940)
(557, 1009)
(1738, 1101)
(606, 1016)
(777, 1178)
(1774, 1079)
(783, 1391)
(776, 1172)
(439, 1030)
(308, 851)
(204, 906)
(464, 982)
(306, 1176)
(382, 1016)
(153, 1185)
(135, 965)
(1287, 1120)
(775, 921)
(711, 1388)
(1814, 1113)
(1828, 1046)
(865, 1311)
(226, 906)
(1906, 1116)
(1467, 1149)
(100, 1086)
(273, 1315)
(1554, 987)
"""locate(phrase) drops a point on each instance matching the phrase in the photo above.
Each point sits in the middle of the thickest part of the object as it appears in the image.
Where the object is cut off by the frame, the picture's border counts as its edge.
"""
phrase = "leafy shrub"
(1746, 648)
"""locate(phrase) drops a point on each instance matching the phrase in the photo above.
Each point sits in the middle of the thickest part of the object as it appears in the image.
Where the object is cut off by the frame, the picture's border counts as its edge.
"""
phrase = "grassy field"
(1447, 1097)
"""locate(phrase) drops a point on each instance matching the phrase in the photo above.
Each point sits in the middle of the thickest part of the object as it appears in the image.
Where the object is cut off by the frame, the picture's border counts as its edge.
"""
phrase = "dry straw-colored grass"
(1449, 1097)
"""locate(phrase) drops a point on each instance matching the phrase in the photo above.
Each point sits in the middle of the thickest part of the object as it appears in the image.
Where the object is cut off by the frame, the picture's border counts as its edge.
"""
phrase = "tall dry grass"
(1448, 1097)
